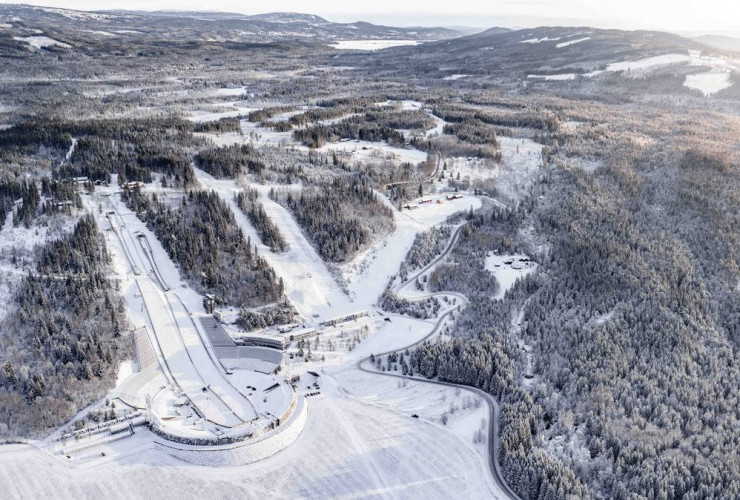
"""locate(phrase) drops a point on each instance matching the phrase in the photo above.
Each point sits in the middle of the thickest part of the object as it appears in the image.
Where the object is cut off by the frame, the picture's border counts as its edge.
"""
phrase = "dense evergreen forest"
(420, 309)
(130, 148)
(229, 161)
(365, 124)
(202, 237)
(627, 340)
(63, 337)
(268, 231)
(220, 126)
(340, 219)
(517, 118)
(279, 314)
(264, 114)
(427, 245)
(657, 375)
(354, 127)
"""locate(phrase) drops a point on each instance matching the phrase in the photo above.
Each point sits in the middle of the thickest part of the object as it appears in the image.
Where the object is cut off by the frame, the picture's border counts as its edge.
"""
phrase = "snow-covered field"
(456, 76)
(649, 62)
(540, 40)
(471, 169)
(370, 44)
(522, 159)
(558, 77)
(349, 449)
(708, 83)
(572, 42)
(368, 151)
(235, 91)
(508, 269)
(450, 409)
(207, 116)
(39, 41)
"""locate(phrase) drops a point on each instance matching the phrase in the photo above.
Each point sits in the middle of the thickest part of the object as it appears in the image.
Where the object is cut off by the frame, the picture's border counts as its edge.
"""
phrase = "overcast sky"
(670, 15)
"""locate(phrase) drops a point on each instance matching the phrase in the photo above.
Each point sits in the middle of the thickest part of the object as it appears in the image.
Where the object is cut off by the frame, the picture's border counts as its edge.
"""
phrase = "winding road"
(493, 421)
(493, 406)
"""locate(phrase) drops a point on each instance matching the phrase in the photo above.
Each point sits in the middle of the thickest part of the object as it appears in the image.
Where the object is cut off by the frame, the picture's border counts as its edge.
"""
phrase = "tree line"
(203, 238)
(340, 218)
(267, 230)
(62, 339)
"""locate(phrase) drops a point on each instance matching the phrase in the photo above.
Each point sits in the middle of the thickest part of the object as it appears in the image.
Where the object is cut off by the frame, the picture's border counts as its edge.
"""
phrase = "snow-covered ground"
(471, 169)
(365, 151)
(520, 163)
(207, 116)
(370, 44)
(369, 272)
(456, 76)
(157, 300)
(349, 449)
(558, 77)
(522, 159)
(308, 283)
(126, 369)
(235, 91)
(540, 40)
(465, 413)
(508, 269)
(572, 42)
(438, 128)
(708, 83)
(436, 208)
(40, 42)
(649, 62)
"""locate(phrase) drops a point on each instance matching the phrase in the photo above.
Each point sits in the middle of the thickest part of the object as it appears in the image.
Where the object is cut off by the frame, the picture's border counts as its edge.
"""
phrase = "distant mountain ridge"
(721, 42)
(190, 26)
(542, 50)
(570, 61)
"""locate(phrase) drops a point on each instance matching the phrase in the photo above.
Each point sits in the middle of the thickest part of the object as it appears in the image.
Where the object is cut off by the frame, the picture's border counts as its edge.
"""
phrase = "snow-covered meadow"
(370, 44)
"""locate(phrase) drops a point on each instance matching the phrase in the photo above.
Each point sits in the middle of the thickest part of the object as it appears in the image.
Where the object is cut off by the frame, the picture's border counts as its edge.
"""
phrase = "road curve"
(493, 422)
(454, 237)
(493, 406)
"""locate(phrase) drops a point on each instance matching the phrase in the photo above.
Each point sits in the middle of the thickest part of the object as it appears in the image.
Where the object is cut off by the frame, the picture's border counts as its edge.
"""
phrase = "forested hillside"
(63, 337)
(229, 161)
(656, 375)
(268, 231)
(631, 323)
(609, 158)
(212, 252)
(341, 218)
(133, 149)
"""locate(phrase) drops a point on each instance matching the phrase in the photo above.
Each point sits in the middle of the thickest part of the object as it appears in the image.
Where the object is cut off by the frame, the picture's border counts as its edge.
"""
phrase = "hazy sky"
(673, 15)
